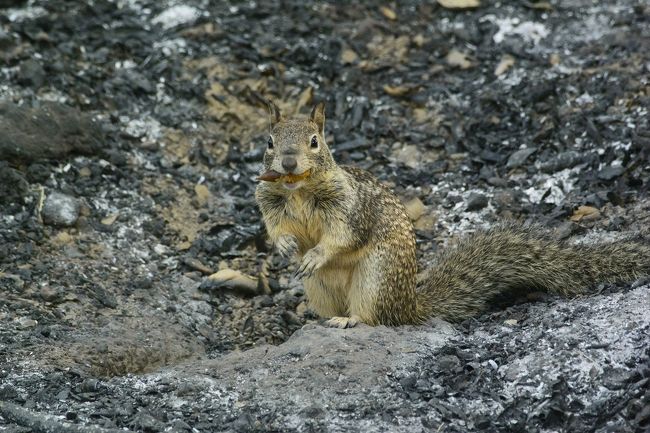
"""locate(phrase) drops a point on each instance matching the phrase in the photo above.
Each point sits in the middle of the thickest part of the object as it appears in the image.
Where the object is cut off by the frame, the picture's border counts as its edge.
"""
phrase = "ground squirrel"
(357, 245)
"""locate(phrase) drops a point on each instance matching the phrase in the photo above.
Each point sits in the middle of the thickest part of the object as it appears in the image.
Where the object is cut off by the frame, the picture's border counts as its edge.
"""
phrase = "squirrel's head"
(296, 146)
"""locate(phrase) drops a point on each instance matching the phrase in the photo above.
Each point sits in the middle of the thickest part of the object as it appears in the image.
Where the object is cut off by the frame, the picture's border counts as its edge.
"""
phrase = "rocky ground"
(131, 132)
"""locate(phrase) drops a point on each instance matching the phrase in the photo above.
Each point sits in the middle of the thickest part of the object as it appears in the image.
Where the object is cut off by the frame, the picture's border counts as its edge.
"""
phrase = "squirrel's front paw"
(313, 260)
(287, 245)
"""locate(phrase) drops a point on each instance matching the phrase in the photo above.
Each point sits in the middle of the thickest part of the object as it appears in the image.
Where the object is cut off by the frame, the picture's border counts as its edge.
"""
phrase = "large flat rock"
(50, 131)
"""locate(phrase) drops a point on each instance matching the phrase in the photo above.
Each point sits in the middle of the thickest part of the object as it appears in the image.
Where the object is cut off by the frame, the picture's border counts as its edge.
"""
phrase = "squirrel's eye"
(314, 142)
(269, 143)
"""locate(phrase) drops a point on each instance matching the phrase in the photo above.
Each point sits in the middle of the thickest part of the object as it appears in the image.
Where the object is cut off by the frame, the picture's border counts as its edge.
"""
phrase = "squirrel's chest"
(303, 220)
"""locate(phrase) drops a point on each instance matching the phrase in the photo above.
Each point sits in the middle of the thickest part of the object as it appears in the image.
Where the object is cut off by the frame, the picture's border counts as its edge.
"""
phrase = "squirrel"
(357, 247)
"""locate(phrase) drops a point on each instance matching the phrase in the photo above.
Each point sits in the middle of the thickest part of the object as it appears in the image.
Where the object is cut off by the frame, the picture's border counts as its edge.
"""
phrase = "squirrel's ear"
(318, 116)
(274, 113)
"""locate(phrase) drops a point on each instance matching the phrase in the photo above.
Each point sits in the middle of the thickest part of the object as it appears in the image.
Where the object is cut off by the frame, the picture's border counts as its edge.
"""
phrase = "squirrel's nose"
(289, 163)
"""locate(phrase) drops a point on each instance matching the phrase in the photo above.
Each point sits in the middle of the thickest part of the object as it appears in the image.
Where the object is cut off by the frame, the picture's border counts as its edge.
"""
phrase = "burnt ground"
(131, 133)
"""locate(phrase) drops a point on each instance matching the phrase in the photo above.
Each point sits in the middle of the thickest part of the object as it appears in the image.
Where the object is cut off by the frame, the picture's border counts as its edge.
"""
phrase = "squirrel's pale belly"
(343, 289)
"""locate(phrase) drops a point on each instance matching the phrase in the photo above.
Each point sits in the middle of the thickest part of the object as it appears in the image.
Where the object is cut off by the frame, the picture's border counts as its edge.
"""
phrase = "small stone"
(202, 194)
(49, 293)
(476, 201)
(31, 73)
(561, 161)
(38, 173)
(11, 3)
(263, 301)
(291, 318)
(13, 185)
(26, 322)
(519, 157)
(62, 238)
(611, 172)
(458, 59)
(409, 155)
(348, 56)
(510, 322)
(110, 219)
(301, 309)
(60, 210)
(507, 61)
(176, 16)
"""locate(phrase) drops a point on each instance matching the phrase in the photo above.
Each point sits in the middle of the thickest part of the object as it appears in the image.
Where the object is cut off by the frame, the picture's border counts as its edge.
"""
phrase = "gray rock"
(611, 172)
(13, 186)
(60, 210)
(519, 157)
(561, 161)
(476, 201)
(31, 73)
(51, 131)
(11, 3)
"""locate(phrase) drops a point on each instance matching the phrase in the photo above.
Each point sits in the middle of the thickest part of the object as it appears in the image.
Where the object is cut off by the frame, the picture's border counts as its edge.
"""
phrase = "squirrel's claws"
(287, 246)
(343, 322)
(313, 261)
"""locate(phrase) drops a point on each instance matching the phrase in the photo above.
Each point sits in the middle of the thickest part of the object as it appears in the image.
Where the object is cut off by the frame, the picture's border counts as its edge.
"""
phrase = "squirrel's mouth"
(286, 179)
(292, 186)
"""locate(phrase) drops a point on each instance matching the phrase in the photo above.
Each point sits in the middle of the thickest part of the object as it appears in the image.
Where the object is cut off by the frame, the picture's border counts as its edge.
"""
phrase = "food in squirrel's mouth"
(274, 176)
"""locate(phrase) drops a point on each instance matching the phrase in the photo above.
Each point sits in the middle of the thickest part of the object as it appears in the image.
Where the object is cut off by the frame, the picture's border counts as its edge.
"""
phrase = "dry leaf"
(348, 56)
(62, 238)
(415, 208)
(235, 280)
(554, 59)
(459, 4)
(458, 59)
(109, 220)
(507, 61)
(197, 265)
(388, 13)
(419, 40)
(585, 213)
(397, 90)
(541, 6)
(184, 246)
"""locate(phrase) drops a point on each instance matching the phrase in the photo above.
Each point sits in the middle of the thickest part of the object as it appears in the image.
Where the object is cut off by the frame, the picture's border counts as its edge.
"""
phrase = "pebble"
(60, 210)
(26, 322)
(13, 186)
(611, 172)
(476, 201)
(519, 157)
(31, 73)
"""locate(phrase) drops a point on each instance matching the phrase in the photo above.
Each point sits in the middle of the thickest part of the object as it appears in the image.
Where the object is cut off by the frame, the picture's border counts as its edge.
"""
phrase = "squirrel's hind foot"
(343, 322)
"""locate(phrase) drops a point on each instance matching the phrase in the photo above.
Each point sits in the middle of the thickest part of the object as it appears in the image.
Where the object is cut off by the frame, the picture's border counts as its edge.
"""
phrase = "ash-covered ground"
(131, 133)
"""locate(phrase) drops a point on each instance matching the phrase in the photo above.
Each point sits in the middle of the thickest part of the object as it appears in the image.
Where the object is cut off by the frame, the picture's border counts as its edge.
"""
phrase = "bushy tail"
(466, 277)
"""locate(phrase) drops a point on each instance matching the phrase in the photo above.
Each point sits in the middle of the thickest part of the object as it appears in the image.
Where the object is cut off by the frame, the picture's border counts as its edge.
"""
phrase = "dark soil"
(131, 133)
